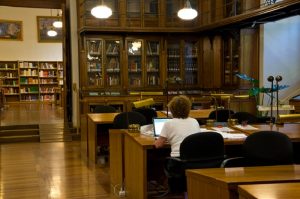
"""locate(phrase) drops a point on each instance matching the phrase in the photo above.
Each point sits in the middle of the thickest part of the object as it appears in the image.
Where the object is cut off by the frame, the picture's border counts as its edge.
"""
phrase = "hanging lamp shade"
(58, 23)
(51, 32)
(101, 12)
(187, 12)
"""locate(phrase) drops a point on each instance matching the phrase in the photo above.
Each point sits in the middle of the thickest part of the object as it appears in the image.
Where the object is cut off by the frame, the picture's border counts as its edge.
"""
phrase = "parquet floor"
(49, 170)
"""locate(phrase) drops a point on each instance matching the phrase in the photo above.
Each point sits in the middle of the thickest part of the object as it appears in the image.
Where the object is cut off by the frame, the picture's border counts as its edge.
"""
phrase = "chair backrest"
(268, 148)
(222, 115)
(149, 113)
(104, 109)
(245, 116)
(122, 120)
(202, 150)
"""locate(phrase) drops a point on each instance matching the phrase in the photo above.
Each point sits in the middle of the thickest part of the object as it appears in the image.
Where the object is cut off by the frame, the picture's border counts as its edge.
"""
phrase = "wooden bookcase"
(9, 80)
(30, 81)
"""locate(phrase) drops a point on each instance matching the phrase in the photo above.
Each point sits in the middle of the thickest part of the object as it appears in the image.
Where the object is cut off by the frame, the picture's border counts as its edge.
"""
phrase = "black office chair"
(149, 113)
(104, 109)
(124, 119)
(221, 115)
(245, 116)
(264, 148)
(199, 150)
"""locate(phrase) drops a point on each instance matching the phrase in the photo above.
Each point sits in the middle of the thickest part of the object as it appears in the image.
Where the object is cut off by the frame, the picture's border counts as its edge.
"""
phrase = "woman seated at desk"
(175, 130)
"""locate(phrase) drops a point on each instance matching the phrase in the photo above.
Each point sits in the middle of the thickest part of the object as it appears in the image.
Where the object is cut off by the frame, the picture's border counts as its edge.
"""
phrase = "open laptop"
(158, 124)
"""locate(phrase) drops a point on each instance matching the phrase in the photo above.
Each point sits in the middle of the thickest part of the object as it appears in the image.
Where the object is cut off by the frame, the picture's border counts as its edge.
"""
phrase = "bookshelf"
(152, 63)
(47, 80)
(29, 81)
(94, 59)
(135, 58)
(112, 63)
(9, 80)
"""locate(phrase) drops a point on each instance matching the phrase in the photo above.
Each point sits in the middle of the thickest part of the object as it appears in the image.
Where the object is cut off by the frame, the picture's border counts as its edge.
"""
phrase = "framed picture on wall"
(44, 24)
(11, 30)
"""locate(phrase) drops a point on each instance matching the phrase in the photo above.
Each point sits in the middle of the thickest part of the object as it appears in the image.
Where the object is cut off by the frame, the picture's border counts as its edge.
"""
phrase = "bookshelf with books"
(47, 81)
(191, 62)
(152, 63)
(94, 59)
(9, 80)
(135, 61)
(29, 81)
(112, 63)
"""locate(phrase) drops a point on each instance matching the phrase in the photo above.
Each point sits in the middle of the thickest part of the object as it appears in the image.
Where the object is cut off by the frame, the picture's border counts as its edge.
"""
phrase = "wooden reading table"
(270, 191)
(223, 183)
(91, 122)
(129, 159)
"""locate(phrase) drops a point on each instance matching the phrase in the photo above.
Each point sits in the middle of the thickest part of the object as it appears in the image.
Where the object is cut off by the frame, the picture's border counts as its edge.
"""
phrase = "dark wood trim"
(55, 4)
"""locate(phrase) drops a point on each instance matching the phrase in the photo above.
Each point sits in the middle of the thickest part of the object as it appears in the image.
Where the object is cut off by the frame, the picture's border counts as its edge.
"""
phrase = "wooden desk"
(269, 191)
(90, 123)
(136, 148)
(292, 130)
(223, 182)
(93, 119)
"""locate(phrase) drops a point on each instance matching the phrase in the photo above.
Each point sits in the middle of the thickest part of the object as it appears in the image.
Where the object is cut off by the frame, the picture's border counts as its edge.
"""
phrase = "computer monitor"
(158, 124)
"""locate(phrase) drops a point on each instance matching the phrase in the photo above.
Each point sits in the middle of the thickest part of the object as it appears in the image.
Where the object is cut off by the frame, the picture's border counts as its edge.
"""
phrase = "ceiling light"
(58, 23)
(187, 13)
(51, 32)
(101, 11)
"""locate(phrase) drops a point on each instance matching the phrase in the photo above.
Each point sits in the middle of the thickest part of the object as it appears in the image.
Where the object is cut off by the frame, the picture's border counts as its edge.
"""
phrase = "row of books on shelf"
(46, 73)
(112, 49)
(30, 80)
(28, 64)
(29, 72)
(152, 48)
(11, 90)
(9, 66)
(153, 80)
(7, 75)
(113, 81)
(48, 66)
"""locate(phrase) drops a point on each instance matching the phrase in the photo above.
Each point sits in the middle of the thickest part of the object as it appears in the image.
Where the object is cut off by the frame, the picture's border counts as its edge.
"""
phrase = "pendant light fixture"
(101, 11)
(51, 32)
(187, 12)
(58, 23)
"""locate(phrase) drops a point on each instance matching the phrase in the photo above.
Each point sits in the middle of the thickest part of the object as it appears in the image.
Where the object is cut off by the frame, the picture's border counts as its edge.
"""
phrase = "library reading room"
(146, 99)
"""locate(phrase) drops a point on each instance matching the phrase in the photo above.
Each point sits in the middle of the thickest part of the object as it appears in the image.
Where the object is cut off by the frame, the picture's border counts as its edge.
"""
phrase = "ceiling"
(55, 4)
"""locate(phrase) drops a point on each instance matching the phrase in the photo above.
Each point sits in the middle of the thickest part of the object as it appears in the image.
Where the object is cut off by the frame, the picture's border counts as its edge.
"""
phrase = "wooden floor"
(50, 170)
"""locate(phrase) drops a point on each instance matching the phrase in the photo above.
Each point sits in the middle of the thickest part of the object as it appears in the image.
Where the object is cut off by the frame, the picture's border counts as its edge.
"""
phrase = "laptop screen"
(158, 124)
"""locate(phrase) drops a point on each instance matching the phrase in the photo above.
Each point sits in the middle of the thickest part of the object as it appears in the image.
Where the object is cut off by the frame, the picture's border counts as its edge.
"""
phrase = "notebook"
(158, 124)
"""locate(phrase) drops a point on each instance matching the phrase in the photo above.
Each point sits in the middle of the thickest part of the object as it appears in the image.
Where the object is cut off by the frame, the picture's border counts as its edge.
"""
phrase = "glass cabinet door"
(231, 49)
(134, 52)
(152, 63)
(173, 61)
(94, 62)
(112, 63)
(191, 63)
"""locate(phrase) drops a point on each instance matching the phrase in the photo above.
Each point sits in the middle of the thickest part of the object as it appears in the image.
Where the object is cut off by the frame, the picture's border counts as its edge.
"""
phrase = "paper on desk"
(223, 129)
(224, 134)
(246, 127)
(147, 129)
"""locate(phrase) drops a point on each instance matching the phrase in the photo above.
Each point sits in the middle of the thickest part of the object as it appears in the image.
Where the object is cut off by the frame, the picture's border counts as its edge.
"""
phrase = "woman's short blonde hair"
(180, 106)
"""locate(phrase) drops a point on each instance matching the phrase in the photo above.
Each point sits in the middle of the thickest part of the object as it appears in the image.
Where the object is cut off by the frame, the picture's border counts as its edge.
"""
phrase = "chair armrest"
(234, 162)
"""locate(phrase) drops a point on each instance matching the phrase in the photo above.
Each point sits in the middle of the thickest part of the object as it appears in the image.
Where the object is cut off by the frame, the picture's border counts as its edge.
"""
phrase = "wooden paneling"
(33, 3)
